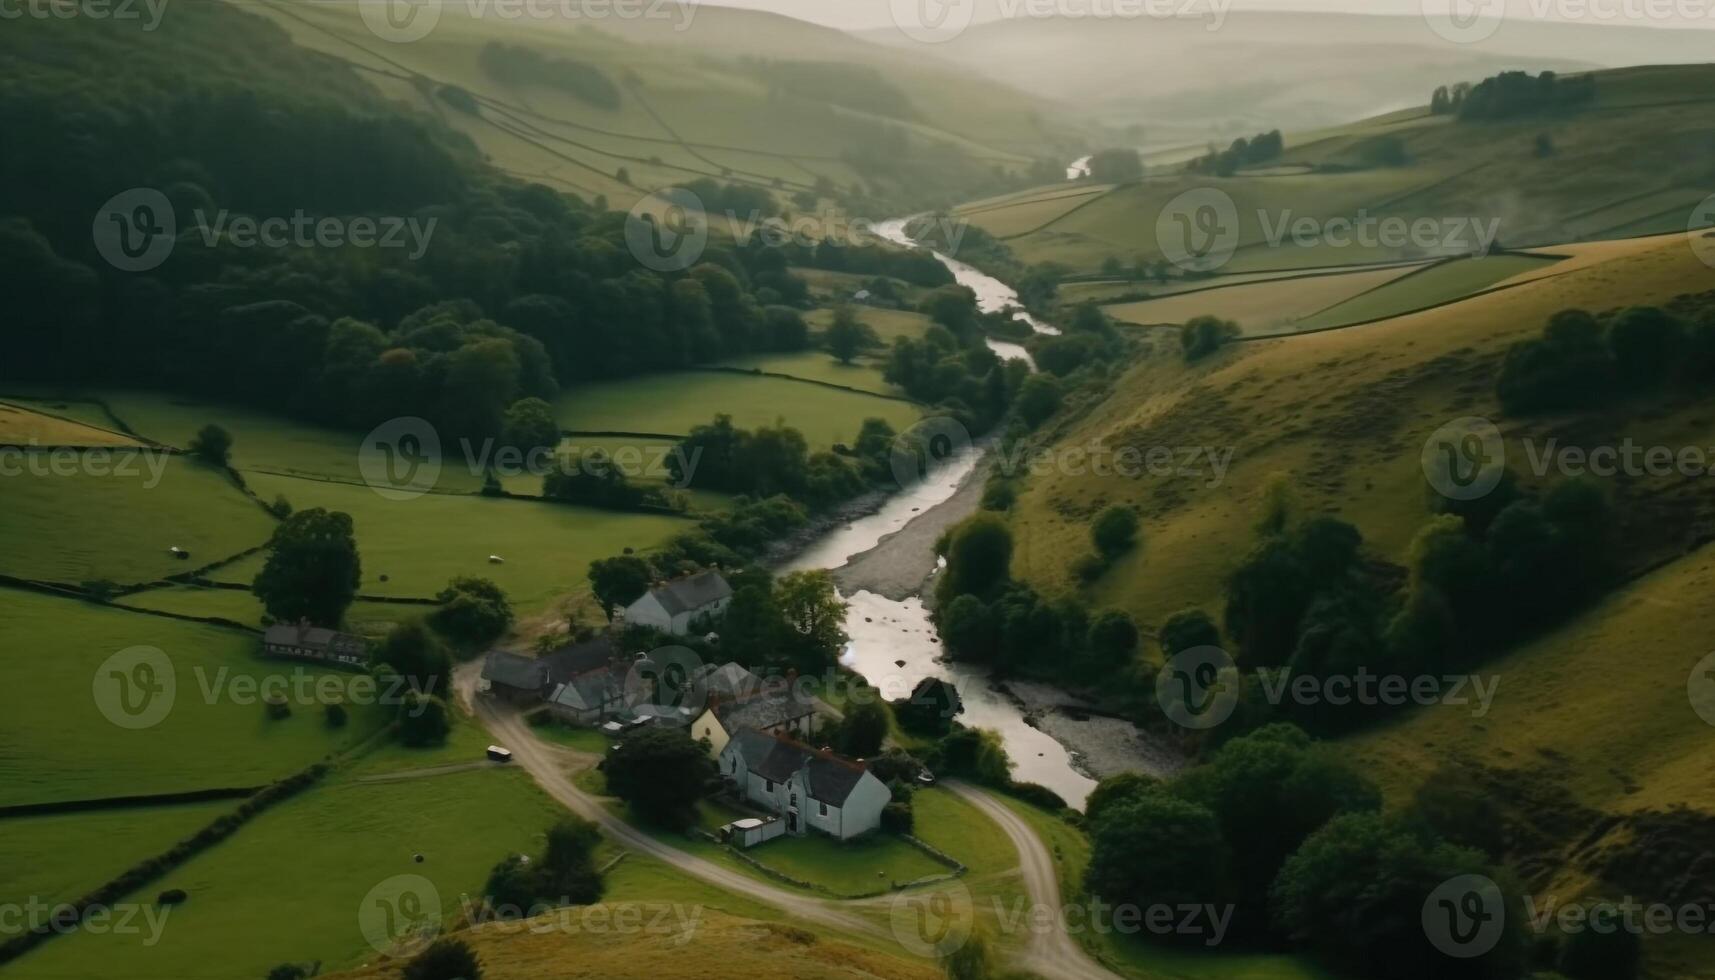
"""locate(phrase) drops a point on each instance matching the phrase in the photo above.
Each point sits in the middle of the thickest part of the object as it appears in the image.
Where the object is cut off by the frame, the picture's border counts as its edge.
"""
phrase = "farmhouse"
(589, 697)
(778, 712)
(673, 607)
(513, 677)
(810, 789)
(315, 643)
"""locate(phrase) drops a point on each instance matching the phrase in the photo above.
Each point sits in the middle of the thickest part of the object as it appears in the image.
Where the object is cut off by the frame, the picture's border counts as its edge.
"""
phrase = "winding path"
(1050, 952)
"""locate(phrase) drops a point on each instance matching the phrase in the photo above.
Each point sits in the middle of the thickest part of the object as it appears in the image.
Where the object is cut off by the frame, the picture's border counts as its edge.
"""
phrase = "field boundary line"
(1074, 209)
(759, 373)
(127, 802)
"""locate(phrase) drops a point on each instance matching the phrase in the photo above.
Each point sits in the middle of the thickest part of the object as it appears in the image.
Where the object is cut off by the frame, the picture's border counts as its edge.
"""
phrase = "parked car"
(499, 754)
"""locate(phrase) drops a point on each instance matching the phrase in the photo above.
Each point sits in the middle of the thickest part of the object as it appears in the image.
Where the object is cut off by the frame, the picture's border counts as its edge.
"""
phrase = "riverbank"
(900, 564)
(1100, 745)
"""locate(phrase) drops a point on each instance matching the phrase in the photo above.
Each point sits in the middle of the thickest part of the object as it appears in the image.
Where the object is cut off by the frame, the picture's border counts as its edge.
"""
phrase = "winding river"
(893, 644)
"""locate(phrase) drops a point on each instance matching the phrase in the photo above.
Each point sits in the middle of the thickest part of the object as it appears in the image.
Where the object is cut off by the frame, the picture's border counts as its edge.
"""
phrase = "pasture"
(1444, 282)
(889, 325)
(412, 548)
(62, 856)
(816, 365)
(1259, 308)
(59, 744)
(673, 403)
(24, 426)
(114, 514)
(320, 854)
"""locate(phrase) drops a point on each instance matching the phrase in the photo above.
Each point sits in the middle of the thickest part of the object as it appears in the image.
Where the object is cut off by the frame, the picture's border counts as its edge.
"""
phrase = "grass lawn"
(952, 826)
(889, 325)
(59, 857)
(194, 600)
(83, 526)
(816, 365)
(23, 426)
(673, 403)
(295, 883)
(57, 744)
(1431, 286)
(850, 868)
(582, 739)
(422, 543)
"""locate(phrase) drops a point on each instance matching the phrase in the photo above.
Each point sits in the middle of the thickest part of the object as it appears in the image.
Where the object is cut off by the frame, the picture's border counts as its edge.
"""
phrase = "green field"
(815, 365)
(60, 857)
(673, 403)
(1259, 308)
(119, 526)
(57, 743)
(422, 543)
(1442, 283)
(23, 424)
(292, 884)
(889, 325)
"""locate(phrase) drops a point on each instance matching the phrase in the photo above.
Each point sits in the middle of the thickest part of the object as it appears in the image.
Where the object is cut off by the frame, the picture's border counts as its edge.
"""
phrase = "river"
(892, 642)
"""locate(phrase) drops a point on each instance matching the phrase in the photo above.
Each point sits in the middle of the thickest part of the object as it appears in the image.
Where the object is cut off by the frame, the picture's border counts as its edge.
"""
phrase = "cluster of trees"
(914, 266)
(512, 65)
(1582, 361)
(1513, 93)
(563, 874)
(1243, 152)
(984, 615)
(1482, 574)
(592, 480)
(1115, 166)
(516, 290)
(1201, 336)
(1275, 826)
(776, 459)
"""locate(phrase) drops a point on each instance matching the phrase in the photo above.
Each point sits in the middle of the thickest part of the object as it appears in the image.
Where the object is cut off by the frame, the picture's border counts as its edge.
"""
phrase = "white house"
(774, 712)
(810, 789)
(589, 697)
(674, 606)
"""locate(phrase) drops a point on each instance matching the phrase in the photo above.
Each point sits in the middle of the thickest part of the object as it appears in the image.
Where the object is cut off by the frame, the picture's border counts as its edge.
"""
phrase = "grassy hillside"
(1342, 413)
(725, 96)
(1594, 183)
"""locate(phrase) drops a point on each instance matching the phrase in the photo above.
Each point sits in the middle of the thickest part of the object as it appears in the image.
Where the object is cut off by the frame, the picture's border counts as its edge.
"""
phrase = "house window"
(824, 807)
(768, 784)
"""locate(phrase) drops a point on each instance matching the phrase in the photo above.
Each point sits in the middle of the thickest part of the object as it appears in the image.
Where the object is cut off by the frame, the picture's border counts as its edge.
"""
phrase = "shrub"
(423, 720)
(1037, 794)
(335, 715)
(1204, 335)
(897, 818)
(278, 708)
(445, 959)
(1114, 531)
(172, 896)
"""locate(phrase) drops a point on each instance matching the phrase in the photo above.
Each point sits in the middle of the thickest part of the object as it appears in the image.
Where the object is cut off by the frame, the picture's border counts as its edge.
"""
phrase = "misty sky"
(863, 14)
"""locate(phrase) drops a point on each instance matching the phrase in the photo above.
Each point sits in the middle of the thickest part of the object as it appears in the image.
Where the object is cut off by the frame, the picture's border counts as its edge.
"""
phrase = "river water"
(893, 644)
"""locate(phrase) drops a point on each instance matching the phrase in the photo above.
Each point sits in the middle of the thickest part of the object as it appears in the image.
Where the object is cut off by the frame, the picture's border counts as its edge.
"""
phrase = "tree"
(1354, 894)
(815, 618)
(661, 774)
(847, 336)
(973, 752)
(288, 971)
(619, 581)
(413, 652)
(530, 426)
(753, 626)
(212, 444)
(864, 727)
(1038, 399)
(473, 612)
(979, 558)
(930, 708)
(1188, 628)
(423, 720)
(445, 959)
(1112, 638)
(1129, 864)
(1116, 790)
(312, 571)
(1114, 531)
(564, 874)
(1605, 949)
(1204, 335)
(1116, 166)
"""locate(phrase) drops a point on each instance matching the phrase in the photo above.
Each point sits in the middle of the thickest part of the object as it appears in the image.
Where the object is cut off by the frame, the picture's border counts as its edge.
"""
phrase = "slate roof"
(692, 592)
(587, 691)
(312, 638)
(831, 778)
(761, 711)
(729, 680)
(514, 670)
(573, 659)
